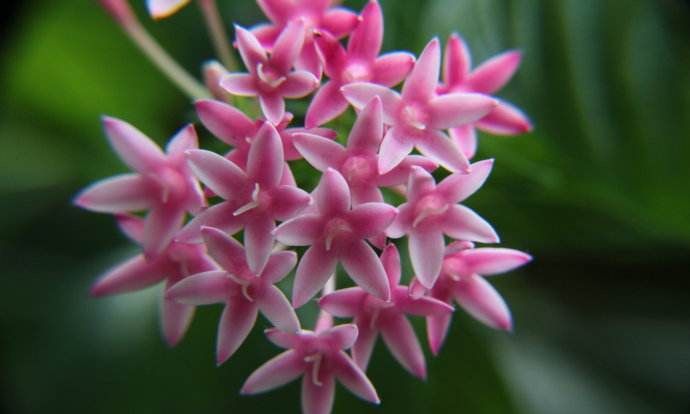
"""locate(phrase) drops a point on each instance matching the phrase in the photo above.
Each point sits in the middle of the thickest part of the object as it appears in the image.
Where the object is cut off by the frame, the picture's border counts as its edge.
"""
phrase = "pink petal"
(212, 72)
(365, 41)
(401, 340)
(421, 82)
(225, 250)
(332, 194)
(492, 261)
(360, 93)
(365, 268)
(423, 306)
(159, 9)
(266, 160)
(283, 339)
(236, 322)
(119, 194)
(328, 103)
(273, 107)
(367, 131)
(352, 377)
(437, 146)
(421, 183)
(390, 258)
(426, 254)
(160, 227)
(493, 74)
(481, 300)
(437, 330)
(131, 226)
(288, 46)
(240, 84)
(288, 201)
(401, 173)
(314, 269)
(464, 224)
(457, 61)
(201, 289)
(276, 10)
(275, 307)
(278, 266)
(343, 303)
(370, 219)
(391, 68)
(466, 139)
(339, 21)
(222, 176)
(251, 51)
(455, 109)
(185, 139)
(274, 373)
(176, 318)
(341, 336)
(364, 346)
(299, 84)
(394, 148)
(134, 148)
(308, 60)
(366, 193)
(219, 216)
(322, 153)
(318, 399)
(300, 231)
(135, 274)
(331, 53)
(457, 187)
(402, 223)
(505, 119)
(225, 122)
(258, 239)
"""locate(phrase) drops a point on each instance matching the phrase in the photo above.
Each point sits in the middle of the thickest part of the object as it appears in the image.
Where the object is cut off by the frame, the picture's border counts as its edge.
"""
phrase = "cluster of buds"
(186, 206)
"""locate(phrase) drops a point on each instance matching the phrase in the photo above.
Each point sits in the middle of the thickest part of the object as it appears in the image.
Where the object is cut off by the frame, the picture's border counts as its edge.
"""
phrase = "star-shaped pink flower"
(336, 233)
(358, 162)
(319, 358)
(270, 76)
(372, 315)
(173, 264)
(432, 210)
(487, 78)
(255, 199)
(418, 116)
(462, 280)
(359, 63)
(244, 292)
(162, 184)
(317, 15)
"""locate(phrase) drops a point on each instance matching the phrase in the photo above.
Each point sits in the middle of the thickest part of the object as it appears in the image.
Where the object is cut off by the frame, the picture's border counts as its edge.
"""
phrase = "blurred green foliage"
(598, 194)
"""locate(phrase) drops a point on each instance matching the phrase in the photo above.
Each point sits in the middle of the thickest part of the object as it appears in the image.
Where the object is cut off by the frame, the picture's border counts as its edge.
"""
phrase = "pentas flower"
(159, 9)
(358, 161)
(373, 315)
(418, 116)
(336, 232)
(234, 128)
(255, 199)
(317, 15)
(243, 291)
(162, 184)
(462, 280)
(432, 210)
(487, 78)
(270, 76)
(360, 62)
(173, 264)
(319, 358)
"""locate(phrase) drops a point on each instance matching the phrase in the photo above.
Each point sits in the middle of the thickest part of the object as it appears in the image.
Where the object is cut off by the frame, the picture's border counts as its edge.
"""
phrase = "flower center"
(429, 206)
(335, 229)
(358, 169)
(269, 76)
(454, 268)
(172, 185)
(355, 72)
(414, 117)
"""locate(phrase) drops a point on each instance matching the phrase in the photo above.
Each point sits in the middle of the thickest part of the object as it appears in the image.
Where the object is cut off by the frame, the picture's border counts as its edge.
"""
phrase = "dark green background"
(598, 194)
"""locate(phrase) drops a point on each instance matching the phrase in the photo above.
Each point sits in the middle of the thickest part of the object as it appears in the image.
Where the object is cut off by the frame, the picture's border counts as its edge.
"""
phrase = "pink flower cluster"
(196, 201)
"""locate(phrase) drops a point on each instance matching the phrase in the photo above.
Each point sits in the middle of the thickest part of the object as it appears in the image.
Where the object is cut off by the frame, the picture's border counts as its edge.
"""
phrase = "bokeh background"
(598, 193)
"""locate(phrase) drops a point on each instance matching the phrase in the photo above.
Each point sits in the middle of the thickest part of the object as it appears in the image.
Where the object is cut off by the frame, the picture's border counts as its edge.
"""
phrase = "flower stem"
(125, 17)
(217, 32)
